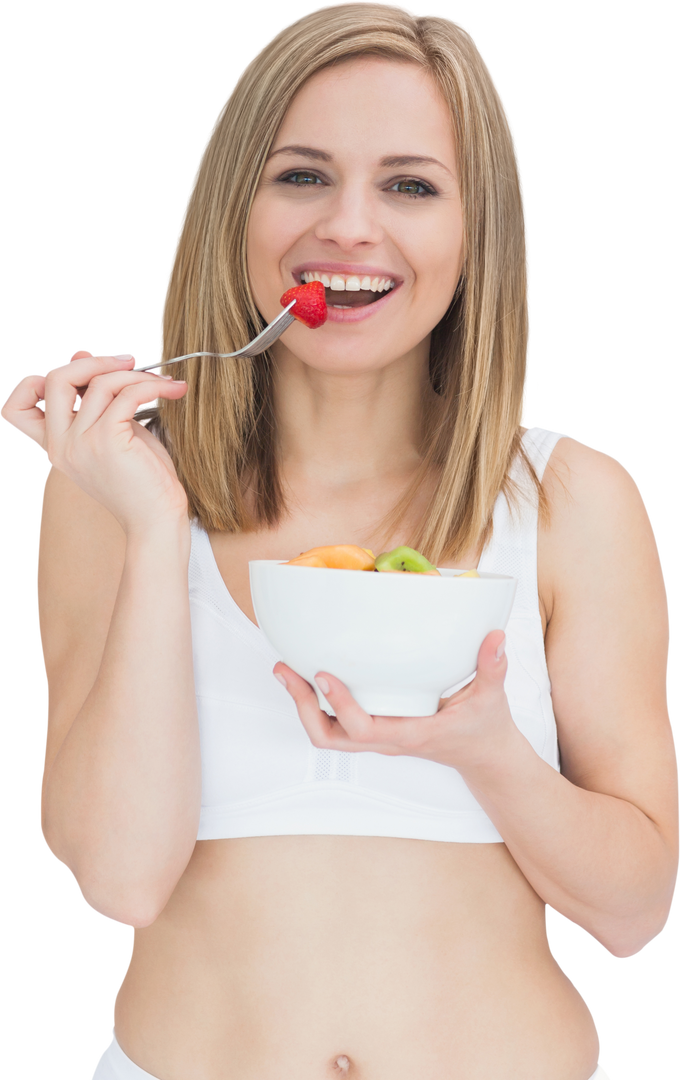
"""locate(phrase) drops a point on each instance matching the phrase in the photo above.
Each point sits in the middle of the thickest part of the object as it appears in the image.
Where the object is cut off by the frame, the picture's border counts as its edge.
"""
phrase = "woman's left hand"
(470, 728)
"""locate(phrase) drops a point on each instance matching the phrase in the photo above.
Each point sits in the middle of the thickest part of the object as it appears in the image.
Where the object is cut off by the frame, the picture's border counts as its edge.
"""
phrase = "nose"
(350, 220)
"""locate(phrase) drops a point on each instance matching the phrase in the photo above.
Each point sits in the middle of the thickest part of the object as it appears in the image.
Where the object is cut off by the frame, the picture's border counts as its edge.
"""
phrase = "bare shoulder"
(601, 534)
(82, 549)
(595, 501)
(578, 476)
(606, 643)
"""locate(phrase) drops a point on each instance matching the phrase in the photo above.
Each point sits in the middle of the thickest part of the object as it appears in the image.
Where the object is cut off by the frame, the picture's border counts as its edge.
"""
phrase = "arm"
(597, 858)
(599, 842)
(121, 790)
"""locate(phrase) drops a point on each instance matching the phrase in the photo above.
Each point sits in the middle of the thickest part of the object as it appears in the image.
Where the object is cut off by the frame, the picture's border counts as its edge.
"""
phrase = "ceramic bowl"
(397, 641)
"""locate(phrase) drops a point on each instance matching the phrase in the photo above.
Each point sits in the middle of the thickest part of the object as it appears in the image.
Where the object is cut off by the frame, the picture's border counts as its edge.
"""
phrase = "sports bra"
(261, 776)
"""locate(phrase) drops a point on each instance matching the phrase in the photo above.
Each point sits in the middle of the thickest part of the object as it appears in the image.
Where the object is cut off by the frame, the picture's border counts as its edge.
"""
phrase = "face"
(361, 192)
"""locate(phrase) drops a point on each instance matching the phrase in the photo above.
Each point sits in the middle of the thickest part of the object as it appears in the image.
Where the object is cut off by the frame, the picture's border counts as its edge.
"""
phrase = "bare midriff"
(368, 958)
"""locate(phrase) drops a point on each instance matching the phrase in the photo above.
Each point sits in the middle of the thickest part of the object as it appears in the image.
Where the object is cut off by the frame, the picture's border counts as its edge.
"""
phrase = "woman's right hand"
(99, 446)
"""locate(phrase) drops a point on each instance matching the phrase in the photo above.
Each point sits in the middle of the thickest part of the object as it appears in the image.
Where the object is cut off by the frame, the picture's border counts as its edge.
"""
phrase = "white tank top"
(261, 776)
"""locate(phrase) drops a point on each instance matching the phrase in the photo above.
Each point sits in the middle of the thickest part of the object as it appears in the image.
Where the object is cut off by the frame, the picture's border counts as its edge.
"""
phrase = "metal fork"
(259, 344)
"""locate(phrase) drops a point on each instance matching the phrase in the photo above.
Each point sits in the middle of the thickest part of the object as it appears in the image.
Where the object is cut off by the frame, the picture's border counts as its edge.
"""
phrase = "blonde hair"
(222, 434)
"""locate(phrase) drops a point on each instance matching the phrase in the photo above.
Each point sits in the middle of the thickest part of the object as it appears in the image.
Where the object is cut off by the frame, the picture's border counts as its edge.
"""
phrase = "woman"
(366, 894)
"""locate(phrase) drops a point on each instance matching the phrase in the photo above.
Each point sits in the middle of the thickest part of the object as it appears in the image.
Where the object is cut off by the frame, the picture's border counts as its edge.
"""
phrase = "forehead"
(370, 107)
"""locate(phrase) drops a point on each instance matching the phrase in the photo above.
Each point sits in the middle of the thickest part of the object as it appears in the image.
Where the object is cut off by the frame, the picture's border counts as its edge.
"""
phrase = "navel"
(342, 1064)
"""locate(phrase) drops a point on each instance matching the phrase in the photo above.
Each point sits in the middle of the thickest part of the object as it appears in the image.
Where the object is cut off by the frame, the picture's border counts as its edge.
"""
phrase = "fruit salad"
(403, 560)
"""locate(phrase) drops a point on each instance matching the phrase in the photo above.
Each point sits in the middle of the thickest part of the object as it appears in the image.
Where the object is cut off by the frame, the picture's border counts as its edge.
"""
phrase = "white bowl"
(397, 641)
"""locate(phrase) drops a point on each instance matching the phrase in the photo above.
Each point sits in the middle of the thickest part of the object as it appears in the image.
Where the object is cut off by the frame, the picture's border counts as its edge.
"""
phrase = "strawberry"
(310, 307)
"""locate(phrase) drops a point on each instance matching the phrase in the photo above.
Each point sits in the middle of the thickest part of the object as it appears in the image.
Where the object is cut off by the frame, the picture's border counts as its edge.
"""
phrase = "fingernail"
(123, 356)
(281, 680)
(500, 650)
(166, 377)
(322, 684)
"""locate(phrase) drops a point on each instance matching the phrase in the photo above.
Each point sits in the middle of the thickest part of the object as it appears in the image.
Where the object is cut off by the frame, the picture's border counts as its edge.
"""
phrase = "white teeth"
(347, 282)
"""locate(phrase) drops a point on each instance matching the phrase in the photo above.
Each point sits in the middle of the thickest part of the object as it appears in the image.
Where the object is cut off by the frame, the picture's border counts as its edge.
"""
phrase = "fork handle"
(166, 363)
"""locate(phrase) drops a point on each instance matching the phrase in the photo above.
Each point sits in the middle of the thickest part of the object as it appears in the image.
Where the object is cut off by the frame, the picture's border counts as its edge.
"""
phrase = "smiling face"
(360, 191)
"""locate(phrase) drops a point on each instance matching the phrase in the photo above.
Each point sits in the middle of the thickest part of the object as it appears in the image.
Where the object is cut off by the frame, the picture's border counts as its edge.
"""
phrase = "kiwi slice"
(406, 560)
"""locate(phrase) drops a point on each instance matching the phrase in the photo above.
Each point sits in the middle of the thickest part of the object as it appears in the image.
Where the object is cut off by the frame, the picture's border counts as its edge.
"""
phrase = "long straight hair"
(222, 434)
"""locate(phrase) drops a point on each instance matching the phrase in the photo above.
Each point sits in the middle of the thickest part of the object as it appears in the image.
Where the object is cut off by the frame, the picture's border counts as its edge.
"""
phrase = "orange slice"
(307, 560)
(337, 557)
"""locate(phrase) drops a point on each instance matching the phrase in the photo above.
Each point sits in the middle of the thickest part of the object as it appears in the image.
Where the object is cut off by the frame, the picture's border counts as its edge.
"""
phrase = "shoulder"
(577, 474)
(596, 529)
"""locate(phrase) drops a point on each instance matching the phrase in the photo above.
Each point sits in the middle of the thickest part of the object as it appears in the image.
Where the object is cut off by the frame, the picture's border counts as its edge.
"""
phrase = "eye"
(414, 188)
(300, 178)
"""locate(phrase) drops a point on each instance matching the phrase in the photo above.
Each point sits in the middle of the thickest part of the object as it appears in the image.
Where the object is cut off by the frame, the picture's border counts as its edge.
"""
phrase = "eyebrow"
(391, 162)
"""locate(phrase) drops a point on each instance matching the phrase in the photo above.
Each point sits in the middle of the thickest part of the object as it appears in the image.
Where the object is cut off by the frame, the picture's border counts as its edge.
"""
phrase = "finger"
(490, 673)
(492, 663)
(21, 408)
(117, 359)
(383, 734)
(119, 395)
(354, 729)
(79, 354)
(324, 733)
